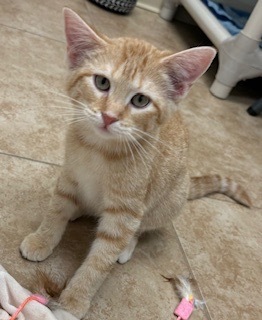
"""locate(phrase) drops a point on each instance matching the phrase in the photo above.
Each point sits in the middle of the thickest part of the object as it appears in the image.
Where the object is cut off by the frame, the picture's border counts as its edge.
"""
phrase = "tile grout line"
(206, 312)
(29, 159)
(32, 33)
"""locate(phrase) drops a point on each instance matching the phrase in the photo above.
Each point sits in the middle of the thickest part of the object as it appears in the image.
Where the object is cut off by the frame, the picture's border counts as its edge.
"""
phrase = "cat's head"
(127, 88)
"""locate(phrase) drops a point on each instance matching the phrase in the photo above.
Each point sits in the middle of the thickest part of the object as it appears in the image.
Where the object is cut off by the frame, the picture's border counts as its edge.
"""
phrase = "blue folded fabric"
(232, 19)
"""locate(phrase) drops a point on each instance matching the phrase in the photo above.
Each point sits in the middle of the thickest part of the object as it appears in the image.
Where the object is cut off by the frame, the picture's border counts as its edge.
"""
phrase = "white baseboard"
(148, 7)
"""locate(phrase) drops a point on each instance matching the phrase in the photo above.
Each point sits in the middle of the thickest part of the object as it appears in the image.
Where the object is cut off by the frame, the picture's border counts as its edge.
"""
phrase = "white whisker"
(66, 105)
(67, 97)
(132, 154)
(141, 156)
(75, 119)
(70, 114)
(71, 122)
(124, 139)
(152, 137)
(153, 146)
(144, 151)
(125, 142)
(139, 151)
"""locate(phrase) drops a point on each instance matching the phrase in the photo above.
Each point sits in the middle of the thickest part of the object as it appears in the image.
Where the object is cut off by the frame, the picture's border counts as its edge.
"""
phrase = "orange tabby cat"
(126, 152)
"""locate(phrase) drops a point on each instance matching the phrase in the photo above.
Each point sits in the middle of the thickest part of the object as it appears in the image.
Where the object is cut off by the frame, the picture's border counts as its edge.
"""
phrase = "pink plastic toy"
(184, 309)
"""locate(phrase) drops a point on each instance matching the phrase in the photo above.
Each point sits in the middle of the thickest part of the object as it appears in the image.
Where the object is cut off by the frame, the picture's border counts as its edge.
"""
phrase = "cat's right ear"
(81, 39)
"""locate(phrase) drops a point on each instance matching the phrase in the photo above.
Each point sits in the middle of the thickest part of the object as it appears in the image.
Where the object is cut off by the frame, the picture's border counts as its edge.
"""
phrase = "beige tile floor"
(216, 240)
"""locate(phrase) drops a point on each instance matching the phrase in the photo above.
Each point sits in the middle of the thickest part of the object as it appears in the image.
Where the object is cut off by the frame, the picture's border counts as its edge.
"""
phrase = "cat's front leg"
(39, 245)
(116, 229)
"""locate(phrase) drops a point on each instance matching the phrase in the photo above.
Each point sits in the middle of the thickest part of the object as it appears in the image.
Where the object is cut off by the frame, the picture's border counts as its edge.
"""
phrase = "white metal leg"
(168, 9)
(253, 27)
(206, 21)
(200, 13)
(239, 57)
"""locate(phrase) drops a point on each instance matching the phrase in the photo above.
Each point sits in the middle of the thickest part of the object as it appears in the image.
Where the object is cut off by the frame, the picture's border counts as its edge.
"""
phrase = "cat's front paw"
(35, 248)
(124, 257)
(127, 253)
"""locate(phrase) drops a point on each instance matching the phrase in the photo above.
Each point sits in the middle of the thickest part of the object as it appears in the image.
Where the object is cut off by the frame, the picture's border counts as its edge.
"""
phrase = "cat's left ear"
(81, 39)
(185, 67)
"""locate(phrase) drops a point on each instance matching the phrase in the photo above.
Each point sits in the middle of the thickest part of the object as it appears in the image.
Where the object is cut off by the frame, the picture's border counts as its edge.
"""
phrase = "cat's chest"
(89, 174)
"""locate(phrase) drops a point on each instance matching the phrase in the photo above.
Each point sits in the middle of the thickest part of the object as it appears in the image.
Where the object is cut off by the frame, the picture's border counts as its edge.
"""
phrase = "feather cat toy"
(188, 301)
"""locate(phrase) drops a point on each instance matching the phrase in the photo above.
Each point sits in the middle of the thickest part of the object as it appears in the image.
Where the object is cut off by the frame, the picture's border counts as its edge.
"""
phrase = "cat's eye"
(102, 83)
(140, 101)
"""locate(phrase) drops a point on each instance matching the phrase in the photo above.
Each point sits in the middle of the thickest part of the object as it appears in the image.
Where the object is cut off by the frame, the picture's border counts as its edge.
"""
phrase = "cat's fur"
(132, 173)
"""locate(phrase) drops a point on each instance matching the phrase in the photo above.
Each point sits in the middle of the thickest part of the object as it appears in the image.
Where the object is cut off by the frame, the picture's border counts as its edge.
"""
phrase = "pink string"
(34, 297)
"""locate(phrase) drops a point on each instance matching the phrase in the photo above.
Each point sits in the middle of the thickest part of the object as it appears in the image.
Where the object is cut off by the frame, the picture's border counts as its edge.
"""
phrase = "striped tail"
(202, 186)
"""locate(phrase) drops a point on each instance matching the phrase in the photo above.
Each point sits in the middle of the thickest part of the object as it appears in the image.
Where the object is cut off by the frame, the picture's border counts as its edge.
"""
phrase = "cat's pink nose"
(108, 119)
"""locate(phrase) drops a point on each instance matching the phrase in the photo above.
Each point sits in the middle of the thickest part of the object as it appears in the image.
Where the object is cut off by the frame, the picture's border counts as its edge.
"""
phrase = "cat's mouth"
(110, 131)
(105, 131)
